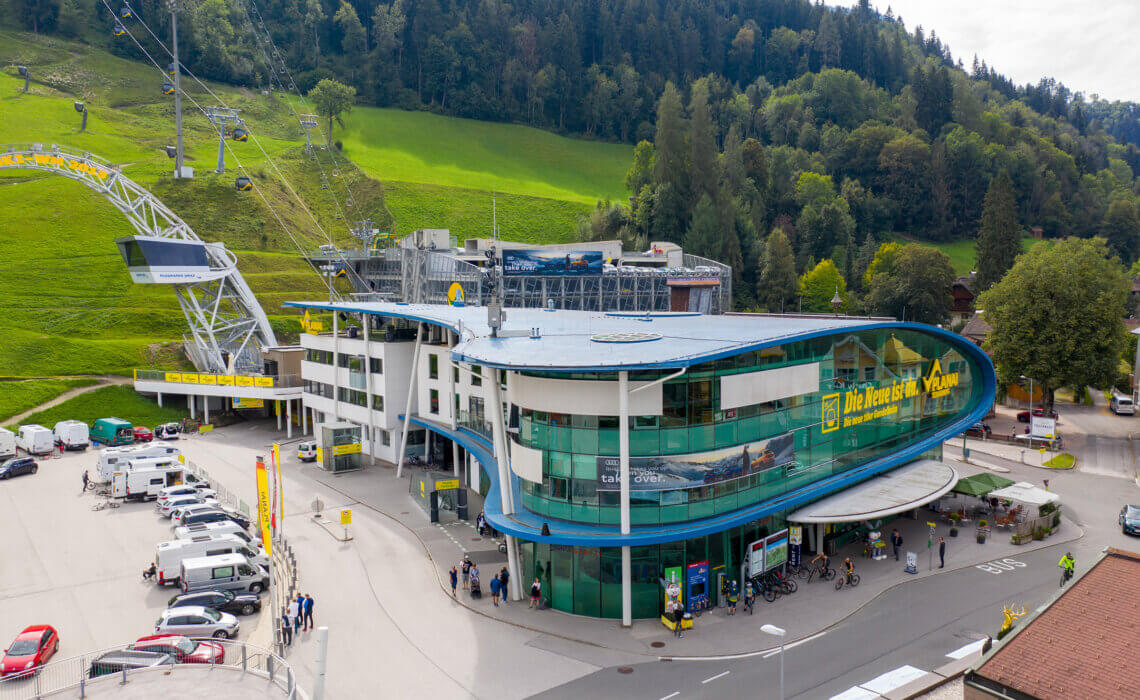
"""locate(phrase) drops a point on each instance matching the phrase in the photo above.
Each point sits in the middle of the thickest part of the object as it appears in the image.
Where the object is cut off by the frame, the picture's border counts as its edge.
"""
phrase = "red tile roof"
(1086, 644)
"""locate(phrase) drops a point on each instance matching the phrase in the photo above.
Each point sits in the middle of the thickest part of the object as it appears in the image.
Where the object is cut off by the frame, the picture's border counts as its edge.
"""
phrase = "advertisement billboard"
(669, 472)
(756, 558)
(775, 550)
(540, 262)
(697, 580)
(1040, 426)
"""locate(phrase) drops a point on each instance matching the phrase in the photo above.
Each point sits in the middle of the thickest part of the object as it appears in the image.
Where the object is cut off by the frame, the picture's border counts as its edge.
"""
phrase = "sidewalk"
(811, 609)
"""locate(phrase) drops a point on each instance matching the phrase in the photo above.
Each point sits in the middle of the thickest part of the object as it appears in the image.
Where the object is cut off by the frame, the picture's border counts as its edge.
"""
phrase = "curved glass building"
(631, 448)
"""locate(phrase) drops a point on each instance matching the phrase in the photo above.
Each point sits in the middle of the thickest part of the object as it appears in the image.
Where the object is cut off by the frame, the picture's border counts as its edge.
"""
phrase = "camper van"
(144, 484)
(224, 572)
(168, 556)
(222, 528)
(113, 431)
(35, 440)
(71, 435)
(1121, 404)
(7, 443)
(114, 459)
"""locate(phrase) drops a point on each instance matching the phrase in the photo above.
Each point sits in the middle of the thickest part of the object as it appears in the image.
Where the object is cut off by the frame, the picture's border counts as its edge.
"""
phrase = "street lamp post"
(778, 632)
(1030, 396)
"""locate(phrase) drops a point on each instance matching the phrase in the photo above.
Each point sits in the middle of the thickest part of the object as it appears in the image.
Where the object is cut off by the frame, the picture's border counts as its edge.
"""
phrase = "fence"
(74, 673)
(237, 380)
(283, 585)
(225, 496)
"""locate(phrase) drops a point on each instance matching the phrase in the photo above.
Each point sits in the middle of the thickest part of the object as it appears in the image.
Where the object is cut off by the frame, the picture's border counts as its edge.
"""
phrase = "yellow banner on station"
(263, 381)
(207, 379)
(173, 376)
(189, 378)
(352, 449)
(243, 381)
(446, 484)
(263, 506)
(225, 380)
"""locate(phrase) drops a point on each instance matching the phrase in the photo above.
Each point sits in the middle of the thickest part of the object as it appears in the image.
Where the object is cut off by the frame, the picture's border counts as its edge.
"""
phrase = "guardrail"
(283, 588)
(74, 672)
(239, 380)
(224, 496)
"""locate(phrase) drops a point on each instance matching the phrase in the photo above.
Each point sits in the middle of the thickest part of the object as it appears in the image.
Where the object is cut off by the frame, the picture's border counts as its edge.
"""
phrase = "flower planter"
(953, 532)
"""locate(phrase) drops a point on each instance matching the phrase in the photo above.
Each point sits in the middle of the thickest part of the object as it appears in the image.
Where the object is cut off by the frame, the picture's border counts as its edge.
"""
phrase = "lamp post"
(25, 74)
(1030, 396)
(836, 301)
(778, 632)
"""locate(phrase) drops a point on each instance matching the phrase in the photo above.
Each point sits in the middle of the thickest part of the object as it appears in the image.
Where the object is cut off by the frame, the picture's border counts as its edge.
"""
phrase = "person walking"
(481, 524)
(308, 608)
(535, 594)
(896, 542)
(294, 613)
(941, 553)
(465, 566)
(733, 596)
(504, 578)
(286, 628)
(454, 576)
(85, 479)
(496, 586)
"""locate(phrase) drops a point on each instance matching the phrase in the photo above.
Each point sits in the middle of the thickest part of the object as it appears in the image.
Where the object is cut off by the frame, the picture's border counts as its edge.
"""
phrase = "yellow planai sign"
(857, 406)
(937, 384)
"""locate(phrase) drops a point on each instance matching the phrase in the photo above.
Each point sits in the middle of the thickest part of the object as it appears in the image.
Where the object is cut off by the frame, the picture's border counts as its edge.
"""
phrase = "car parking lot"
(78, 569)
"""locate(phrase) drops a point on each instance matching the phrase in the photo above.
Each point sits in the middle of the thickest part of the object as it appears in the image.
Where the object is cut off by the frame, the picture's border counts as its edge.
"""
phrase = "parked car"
(307, 451)
(190, 508)
(116, 661)
(1121, 404)
(142, 434)
(176, 506)
(31, 649)
(172, 492)
(168, 431)
(222, 601)
(197, 621)
(184, 649)
(979, 429)
(237, 516)
(17, 466)
(1023, 417)
(1130, 520)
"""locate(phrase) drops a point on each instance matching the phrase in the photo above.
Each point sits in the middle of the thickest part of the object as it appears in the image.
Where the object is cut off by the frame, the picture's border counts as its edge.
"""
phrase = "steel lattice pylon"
(224, 316)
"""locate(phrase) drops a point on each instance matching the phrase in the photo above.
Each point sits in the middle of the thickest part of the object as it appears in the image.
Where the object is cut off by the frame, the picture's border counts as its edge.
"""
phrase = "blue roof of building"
(594, 340)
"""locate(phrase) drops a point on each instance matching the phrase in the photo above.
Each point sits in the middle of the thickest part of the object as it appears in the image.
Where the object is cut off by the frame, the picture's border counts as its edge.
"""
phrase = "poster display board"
(552, 263)
(697, 577)
(668, 472)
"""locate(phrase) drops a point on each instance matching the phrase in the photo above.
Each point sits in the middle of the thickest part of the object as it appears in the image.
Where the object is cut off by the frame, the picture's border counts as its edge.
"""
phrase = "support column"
(515, 582)
(190, 403)
(289, 419)
(455, 458)
(427, 447)
(408, 404)
(499, 433)
(304, 418)
(205, 409)
(623, 452)
(277, 411)
(336, 365)
(819, 531)
(160, 399)
(367, 320)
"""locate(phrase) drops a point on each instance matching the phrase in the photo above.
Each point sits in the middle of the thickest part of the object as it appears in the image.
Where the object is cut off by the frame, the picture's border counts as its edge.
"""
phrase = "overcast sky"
(1090, 46)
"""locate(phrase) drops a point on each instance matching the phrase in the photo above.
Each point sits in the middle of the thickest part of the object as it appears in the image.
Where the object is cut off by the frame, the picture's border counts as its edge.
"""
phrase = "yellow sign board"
(345, 516)
(320, 455)
(263, 381)
(205, 428)
(225, 380)
(173, 376)
(182, 459)
(423, 490)
(263, 505)
(44, 159)
(351, 449)
(243, 381)
(207, 379)
(277, 408)
(446, 484)
(455, 295)
(238, 402)
(309, 325)
(938, 384)
(862, 404)
(188, 378)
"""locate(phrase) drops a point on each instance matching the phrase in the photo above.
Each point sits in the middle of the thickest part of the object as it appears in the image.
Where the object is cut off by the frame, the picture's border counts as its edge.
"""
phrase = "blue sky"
(1023, 39)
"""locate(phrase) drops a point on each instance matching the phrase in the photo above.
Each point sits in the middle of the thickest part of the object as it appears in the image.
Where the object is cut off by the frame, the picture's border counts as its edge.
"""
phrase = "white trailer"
(113, 459)
(7, 443)
(144, 484)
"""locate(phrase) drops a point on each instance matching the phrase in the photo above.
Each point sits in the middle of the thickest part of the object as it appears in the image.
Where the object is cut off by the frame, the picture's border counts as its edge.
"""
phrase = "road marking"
(972, 647)
(793, 645)
(999, 566)
(719, 675)
(674, 694)
(764, 653)
(890, 680)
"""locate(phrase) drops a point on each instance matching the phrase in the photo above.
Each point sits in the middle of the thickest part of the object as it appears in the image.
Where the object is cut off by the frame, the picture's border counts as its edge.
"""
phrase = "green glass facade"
(909, 384)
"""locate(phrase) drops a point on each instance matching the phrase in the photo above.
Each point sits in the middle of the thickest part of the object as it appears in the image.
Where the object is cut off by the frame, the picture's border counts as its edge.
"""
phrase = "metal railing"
(224, 496)
(258, 381)
(473, 423)
(283, 574)
(74, 673)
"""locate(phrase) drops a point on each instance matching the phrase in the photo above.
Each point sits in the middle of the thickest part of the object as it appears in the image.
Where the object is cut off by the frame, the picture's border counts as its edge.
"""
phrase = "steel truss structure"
(228, 327)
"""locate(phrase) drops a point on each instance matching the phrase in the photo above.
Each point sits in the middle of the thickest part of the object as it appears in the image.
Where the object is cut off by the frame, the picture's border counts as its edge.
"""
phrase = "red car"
(143, 434)
(1023, 417)
(31, 649)
(186, 650)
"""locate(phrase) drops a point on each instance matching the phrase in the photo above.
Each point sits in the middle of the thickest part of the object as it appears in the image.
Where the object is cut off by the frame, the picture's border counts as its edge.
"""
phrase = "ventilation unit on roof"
(625, 337)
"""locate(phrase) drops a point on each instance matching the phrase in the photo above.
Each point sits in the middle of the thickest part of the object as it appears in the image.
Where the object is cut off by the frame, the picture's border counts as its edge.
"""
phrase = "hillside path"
(103, 380)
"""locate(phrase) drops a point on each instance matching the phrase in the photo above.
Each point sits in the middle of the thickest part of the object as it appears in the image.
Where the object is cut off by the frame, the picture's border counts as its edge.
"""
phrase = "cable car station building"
(612, 448)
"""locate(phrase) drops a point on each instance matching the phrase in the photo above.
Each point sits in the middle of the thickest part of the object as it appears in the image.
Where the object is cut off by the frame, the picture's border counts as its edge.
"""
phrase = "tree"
(332, 99)
(1056, 317)
(703, 236)
(640, 173)
(354, 40)
(1121, 228)
(819, 285)
(914, 286)
(778, 283)
(999, 239)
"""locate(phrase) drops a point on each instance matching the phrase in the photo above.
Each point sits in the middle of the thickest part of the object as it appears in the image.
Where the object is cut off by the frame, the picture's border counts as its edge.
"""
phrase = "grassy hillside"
(440, 171)
(19, 396)
(963, 252)
(119, 401)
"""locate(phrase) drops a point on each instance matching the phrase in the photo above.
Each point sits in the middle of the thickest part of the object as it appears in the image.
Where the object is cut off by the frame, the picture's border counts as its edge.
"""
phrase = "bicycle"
(1066, 574)
(851, 581)
(800, 571)
(105, 504)
(785, 583)
(823, 574)
(768, 588)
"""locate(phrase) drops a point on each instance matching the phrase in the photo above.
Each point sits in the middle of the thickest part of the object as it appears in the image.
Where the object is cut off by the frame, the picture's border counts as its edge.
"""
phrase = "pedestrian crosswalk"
(879, 686)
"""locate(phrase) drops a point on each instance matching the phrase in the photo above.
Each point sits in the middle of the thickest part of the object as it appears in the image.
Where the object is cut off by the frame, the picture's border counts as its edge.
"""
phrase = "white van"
(307, 451)
(1121, 404)
(7, 443)
(144, 484)
(112, 459)
(219, 529)
(225, 572)
(168, 556)
(72, 434)
(35, 440)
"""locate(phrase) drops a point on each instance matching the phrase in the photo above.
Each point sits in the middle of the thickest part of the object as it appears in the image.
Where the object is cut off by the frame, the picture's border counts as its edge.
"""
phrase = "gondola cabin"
(154, 260)
(168, 88)
(243, 184)
(125, 12)
(119, 29)
(240, 134)
(170, 69)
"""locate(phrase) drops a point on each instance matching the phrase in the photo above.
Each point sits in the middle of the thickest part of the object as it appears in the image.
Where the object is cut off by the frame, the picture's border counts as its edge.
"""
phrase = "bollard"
(269, 666)
(82, 678)
(124, 681)
(322, 654)
(244, 667)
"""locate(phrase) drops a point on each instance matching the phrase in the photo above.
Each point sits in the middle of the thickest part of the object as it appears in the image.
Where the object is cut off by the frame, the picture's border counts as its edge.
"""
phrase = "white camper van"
(112, 459)
(72, 435)
(35, 440)
(144, 484)
(221, 528)
(1121, 404)
(225, 572)
(168, 556)
(7, 443)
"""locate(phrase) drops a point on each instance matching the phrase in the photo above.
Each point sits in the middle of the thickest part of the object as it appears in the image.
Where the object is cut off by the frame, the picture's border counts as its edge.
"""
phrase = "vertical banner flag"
(280, 484)
(263, 505)
(275, 477)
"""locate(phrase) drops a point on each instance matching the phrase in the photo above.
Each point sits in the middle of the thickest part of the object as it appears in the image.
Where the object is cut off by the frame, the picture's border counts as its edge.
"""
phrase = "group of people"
(298, 615)
(469, 571)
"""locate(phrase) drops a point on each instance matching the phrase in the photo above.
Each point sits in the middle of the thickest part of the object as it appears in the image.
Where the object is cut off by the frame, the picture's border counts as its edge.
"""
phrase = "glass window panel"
(674, 440)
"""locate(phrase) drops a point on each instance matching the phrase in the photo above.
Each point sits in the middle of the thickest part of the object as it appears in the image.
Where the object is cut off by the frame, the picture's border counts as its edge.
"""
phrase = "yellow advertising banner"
(173, 376)
(280, 482)
(207, 379)
(225, 380)
(238, 402)
(277, 407)
(243, 381)
(352, 449)
(205, 428)
(320, 455)
(189, 378)
(263, 506)
(446, 484)
(263, 381)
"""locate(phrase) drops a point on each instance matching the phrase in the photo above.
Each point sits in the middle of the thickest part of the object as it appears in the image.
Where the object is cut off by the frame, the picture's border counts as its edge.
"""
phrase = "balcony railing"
(259, 381)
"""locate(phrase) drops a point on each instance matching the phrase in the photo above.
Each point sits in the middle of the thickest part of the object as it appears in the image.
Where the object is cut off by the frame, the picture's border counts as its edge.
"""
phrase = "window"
(476, 376)
(869, 374)
(223, 572)
(376, 365)
(434, 399)
(385, 438)
(378, 403)
(433, 366)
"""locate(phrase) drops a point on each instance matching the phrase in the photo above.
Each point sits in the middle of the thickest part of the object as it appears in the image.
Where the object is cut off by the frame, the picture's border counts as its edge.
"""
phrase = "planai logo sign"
(858, 406)
(937, 384)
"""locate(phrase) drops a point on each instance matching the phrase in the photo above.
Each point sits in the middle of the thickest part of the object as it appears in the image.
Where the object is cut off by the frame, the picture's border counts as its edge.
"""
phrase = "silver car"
(197, 621)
